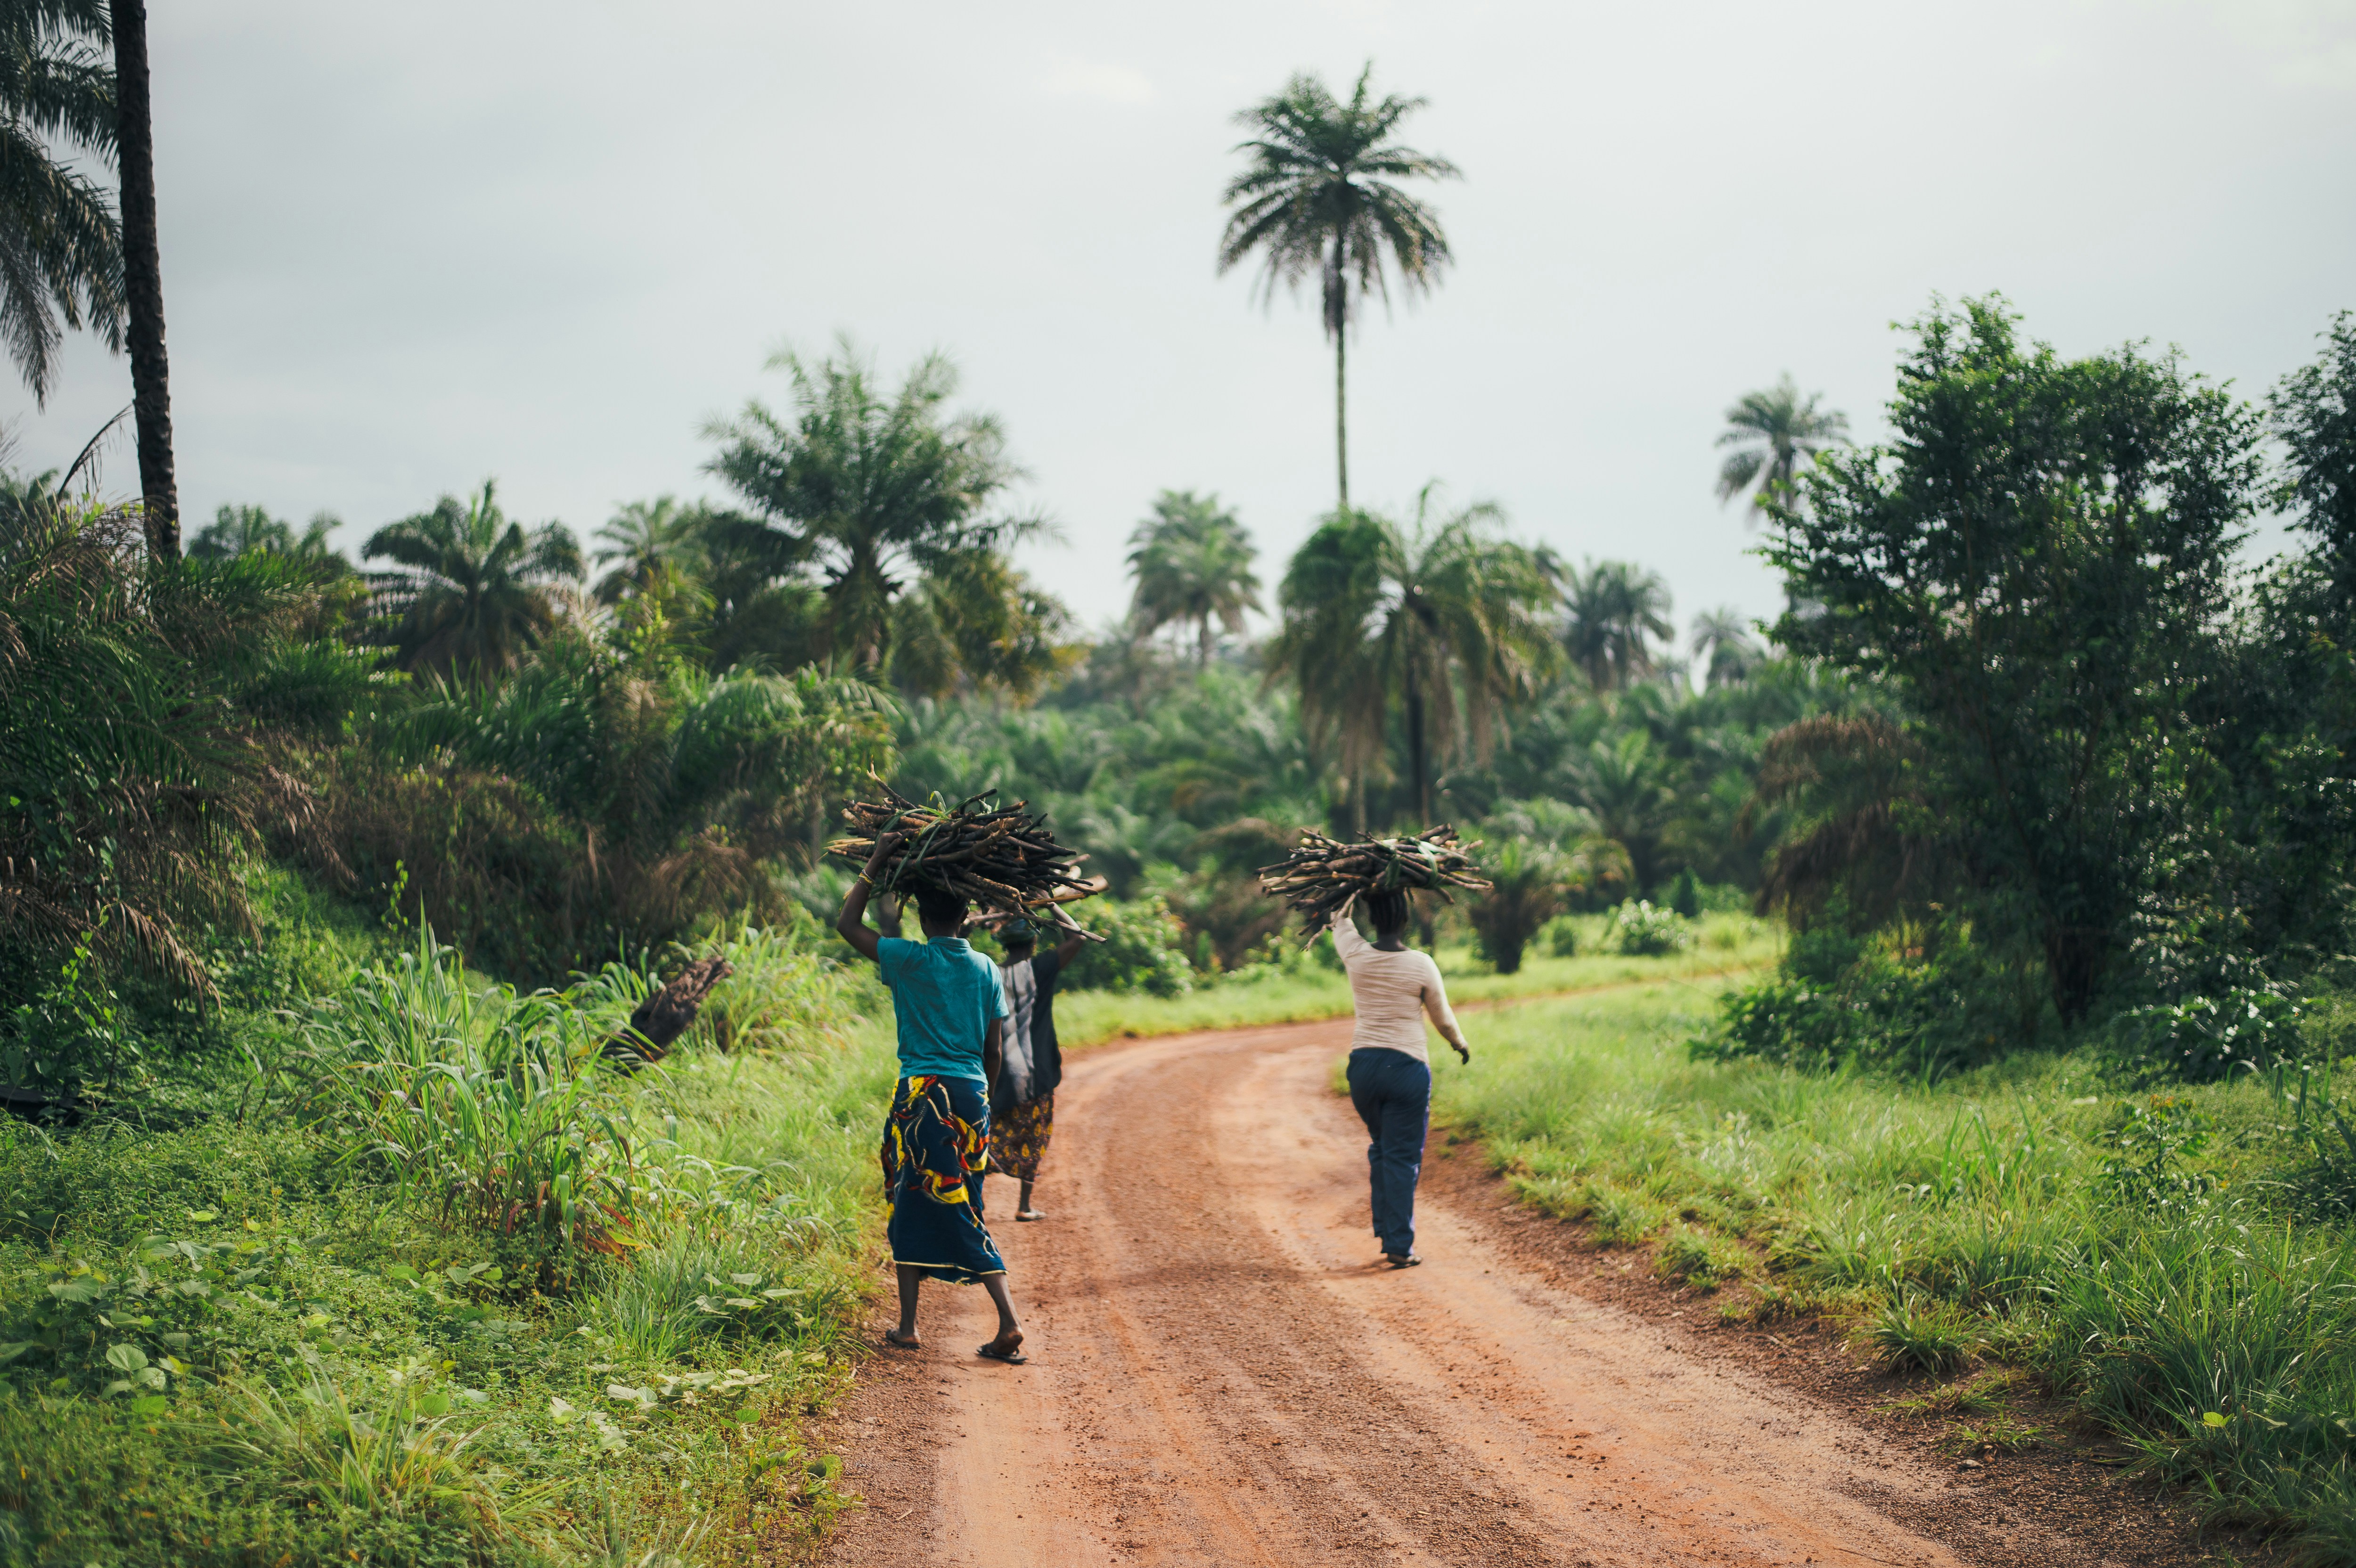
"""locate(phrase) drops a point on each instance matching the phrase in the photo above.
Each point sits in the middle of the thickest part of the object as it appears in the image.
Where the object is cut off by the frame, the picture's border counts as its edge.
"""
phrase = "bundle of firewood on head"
(1000, 860)
(1324, 874)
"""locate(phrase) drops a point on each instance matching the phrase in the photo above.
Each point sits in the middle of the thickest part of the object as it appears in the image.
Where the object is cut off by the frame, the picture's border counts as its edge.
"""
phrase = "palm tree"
(60, 246)
(1771, 432)
(1722, 639)
(643, 538)
(142, 280)
(879, 493)
(1317, 199)
(1443, 617)
(1192, 563)
(1613, 611)
(477, 589)
(1628, 785)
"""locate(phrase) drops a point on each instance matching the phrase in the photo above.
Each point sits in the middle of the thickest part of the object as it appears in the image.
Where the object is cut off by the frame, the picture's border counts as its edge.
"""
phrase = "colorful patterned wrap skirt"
(1017, 1138)
(936, 1148)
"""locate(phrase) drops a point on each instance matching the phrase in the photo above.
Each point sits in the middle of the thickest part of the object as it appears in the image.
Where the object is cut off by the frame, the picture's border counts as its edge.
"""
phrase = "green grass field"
(2156, 1258)
(1725, 943)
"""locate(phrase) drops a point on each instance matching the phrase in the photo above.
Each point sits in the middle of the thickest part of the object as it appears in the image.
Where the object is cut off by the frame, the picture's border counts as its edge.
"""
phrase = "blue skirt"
(935, 1149)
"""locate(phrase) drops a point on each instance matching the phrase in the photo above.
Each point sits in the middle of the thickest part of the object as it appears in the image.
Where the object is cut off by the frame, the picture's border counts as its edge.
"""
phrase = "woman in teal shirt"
(951, 1011)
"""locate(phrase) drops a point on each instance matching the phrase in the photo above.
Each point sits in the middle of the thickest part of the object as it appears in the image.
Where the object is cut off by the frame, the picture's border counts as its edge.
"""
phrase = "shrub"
(1526, 889)
(1685, 894)
(1144, 950)
(2204, 1038)
(1562, 936)
(1649, 931)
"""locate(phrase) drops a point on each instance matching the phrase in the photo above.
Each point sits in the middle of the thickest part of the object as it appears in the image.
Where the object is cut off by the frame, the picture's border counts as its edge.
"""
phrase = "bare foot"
(1007, 1347)
(905, 1342)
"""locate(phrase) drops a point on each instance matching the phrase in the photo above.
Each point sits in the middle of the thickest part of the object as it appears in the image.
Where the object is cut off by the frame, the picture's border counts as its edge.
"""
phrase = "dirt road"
(1218, 1376)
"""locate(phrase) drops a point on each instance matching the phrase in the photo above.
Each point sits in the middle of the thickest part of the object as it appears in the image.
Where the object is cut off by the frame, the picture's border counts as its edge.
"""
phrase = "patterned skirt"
(936, 1148)
(1018, 1138)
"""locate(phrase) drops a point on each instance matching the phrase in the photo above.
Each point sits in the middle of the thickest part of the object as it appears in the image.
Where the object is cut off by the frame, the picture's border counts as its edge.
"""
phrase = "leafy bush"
(1643, 931)
(2206, 1038)
(1143, 951)
(1685, 894)
(1699, 1258)
(1561, 936)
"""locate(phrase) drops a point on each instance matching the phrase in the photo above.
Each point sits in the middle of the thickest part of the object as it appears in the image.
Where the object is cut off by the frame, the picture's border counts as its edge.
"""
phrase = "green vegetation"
(2177, 1264)
(439, 1285)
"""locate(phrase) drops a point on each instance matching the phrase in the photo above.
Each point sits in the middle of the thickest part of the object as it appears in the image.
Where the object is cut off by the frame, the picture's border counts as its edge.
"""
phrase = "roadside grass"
(329, 1322)
(2031, 1218)
(1304, 989)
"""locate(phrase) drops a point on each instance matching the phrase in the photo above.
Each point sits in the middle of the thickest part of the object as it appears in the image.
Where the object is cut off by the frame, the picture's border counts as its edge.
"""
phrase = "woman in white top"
(1393, 987)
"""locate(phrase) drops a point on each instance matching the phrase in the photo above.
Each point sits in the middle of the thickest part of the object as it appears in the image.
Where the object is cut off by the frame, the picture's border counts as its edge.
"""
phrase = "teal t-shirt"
(944, 995)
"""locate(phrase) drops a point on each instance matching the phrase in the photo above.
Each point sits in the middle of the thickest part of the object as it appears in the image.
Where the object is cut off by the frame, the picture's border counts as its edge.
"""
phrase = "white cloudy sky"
(408, 247)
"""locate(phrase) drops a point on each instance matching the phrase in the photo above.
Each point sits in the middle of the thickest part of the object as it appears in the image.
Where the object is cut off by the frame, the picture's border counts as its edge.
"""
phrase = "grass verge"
(328, 1323)
(2028, 1216)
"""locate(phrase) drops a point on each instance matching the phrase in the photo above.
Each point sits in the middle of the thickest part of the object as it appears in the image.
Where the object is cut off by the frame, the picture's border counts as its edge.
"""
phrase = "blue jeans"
(1393, 1093)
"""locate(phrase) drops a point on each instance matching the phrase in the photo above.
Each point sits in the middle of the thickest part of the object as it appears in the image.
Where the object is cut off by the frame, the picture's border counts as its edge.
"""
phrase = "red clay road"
(1219, 1376)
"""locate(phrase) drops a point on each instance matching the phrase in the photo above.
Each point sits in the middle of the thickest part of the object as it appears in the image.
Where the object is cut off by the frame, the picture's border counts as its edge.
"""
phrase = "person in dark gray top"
(1022, 1097)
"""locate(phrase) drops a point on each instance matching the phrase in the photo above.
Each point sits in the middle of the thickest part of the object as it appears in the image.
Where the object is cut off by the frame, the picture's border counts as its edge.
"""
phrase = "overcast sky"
(406, 248)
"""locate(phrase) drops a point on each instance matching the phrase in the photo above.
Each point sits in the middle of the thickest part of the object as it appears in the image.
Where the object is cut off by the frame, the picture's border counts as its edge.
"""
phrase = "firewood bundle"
(997, 857)
(1324, 874)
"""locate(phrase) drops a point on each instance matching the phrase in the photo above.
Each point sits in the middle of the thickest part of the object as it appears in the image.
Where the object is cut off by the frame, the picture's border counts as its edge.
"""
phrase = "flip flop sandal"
(902, 1344)
(1011, 1357)
(1403, 1260)
(1027, 1215)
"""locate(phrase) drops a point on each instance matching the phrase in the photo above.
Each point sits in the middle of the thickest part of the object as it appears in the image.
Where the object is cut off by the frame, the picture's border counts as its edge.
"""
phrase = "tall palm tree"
(1317, 199)
(642, 538)
(60, 246)
(878, 493)
(142, 280)
(1722, 639)
(477, 589)
(1192, 562)
(1771, 431)
(1612, 611)
(1443, 616)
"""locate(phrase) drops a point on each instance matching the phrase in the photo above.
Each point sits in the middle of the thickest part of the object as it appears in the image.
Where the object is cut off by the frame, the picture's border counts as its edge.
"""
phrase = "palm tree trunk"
(1415, 758)
(143, 280)
(1203, 643)
(1341, 416)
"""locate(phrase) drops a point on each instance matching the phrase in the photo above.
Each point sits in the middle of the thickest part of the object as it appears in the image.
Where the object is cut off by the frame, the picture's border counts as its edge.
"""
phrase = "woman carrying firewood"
(1022, 1095)
(1393, 987)
(951, 1010)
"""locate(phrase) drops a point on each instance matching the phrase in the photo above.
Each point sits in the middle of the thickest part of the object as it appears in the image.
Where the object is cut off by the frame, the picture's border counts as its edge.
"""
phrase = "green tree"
(475, 590)
(1441, 619)
(1771, 431)
(236, 530)
(1611, 613)
(2313, 413)
(2042, 561)
(60, 244)
(1722, 641)
(1628, 786)
(1317, 198)
(879, 494)
(643, 539)
(1192, 562)
(1526, 884)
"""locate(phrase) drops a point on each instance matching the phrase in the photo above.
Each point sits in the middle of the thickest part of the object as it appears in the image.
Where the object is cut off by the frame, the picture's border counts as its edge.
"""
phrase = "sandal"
(991, 1352)
(1403, 1260)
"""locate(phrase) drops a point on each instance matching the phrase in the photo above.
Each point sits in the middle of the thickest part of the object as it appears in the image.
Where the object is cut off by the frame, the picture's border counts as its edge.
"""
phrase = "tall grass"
(489, 1106)
(2175, 1283)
